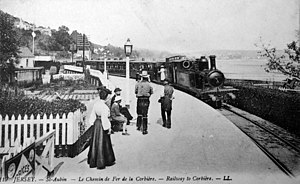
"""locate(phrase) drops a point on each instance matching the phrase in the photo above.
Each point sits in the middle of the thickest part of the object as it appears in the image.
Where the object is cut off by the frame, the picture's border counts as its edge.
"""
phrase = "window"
(26, 62)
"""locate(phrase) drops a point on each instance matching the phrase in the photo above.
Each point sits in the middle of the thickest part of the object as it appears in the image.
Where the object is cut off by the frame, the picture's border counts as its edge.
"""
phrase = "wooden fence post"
(1, 120)
(76, 120)
(44, 123)
(12, 131)
(19, 127)
(63, 134)
(25, 133)
(70, 125)
(37, 122)
(57, 132)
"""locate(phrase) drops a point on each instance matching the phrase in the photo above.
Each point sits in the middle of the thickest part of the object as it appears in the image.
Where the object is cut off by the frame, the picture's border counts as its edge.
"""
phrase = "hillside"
(57, 42)
(50, 41)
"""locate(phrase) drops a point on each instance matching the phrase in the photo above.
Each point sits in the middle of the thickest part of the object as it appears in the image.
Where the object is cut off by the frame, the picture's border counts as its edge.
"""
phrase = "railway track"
(279, 145)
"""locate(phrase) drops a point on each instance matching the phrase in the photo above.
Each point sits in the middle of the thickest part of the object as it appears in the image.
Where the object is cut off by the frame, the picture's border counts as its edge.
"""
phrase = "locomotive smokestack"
(212, 59)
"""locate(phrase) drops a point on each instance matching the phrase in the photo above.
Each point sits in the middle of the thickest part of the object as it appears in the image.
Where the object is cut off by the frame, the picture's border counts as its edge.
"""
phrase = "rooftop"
(25, 52)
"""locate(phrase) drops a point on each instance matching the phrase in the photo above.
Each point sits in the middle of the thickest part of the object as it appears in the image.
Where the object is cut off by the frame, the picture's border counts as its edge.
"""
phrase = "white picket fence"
(67, 128)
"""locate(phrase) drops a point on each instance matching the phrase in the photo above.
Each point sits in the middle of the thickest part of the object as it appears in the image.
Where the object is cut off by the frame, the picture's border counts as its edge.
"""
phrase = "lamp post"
(33, 35)
(105, 69)
(128, 51)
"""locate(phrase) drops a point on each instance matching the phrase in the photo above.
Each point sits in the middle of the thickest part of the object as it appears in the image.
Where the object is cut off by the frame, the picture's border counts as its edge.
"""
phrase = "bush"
(19, 105)
(273, 105)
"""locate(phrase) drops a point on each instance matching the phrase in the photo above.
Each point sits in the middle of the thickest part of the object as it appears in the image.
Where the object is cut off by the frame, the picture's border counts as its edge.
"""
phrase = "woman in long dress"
(101, 153)
(162, 72)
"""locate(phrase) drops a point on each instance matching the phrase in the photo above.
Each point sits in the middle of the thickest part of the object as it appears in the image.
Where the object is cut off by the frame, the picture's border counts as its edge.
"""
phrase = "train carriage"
(199, 77)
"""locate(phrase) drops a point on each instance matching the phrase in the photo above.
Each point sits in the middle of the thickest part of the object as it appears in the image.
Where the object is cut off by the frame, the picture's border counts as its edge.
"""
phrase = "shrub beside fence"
(273, 105)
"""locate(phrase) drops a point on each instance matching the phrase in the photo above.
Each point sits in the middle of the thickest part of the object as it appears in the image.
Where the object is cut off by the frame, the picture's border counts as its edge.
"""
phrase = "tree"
(62, 38)
(287, 63)
(24, 37)
(9, 46)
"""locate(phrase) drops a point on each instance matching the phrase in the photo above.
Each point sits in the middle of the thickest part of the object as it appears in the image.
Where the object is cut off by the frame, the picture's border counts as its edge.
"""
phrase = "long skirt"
(101, 153)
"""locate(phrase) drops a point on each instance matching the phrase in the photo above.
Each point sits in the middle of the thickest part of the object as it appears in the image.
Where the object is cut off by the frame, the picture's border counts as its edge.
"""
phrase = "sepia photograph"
(150, 91)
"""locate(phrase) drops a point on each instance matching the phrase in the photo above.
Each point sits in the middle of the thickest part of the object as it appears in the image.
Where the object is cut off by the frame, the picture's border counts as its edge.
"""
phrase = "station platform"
(201, 146)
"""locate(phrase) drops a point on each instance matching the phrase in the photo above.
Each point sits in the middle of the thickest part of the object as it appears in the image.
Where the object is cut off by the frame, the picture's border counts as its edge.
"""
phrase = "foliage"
(64, 86)
(276, 106)
(45, 42)
(58, 41)
(24, 37)
(287, 63)
(9, 45)
(62, 38)
(21, 105)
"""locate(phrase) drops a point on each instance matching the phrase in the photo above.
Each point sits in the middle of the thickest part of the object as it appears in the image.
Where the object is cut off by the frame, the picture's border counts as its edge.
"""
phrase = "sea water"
(248, 69)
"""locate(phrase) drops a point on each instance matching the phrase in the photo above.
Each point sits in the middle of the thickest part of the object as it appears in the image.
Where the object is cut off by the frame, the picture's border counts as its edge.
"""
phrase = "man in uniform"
(166, 104)
(143, 91)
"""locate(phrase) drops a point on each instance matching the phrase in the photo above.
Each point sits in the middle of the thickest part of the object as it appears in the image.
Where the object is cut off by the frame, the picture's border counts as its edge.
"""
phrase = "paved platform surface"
(202, 146)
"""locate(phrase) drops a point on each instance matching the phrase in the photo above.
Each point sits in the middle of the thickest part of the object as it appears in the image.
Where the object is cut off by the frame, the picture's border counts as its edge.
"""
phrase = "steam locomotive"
(198, 77)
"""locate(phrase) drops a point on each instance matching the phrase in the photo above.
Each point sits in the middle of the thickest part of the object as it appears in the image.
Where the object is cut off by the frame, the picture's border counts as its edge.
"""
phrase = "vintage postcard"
(149, 91)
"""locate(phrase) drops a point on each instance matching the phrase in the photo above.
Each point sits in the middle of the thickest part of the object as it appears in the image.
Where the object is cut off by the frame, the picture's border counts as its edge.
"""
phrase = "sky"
(168, 25)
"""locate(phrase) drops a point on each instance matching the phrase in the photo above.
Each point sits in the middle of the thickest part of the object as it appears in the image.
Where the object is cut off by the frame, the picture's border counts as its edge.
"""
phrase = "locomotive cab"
(195, 73)
(199, 77)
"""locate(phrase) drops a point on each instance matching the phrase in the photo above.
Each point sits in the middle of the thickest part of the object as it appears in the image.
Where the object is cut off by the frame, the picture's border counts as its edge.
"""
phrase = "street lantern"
(128, 48)
(128, 51)
(33, 35)
(105, 65)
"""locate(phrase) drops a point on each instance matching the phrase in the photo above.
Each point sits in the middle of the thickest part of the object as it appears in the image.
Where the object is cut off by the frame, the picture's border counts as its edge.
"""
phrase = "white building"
(23, 25)
(25, 72)
(26, 58)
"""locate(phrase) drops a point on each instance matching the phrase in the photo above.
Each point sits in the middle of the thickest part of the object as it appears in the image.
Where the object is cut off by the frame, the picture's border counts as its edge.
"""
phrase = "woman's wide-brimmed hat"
(144, 74)
(103, 88)
(117, 89)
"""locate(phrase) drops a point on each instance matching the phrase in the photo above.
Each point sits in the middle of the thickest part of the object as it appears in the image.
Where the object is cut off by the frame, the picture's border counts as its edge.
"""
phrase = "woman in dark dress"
(101, 153)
